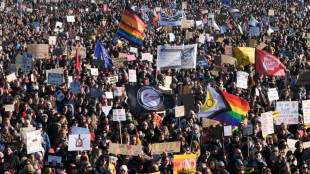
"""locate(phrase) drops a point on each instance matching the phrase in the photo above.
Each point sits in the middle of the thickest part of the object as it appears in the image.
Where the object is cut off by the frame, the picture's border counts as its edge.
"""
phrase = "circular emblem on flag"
(150, 98)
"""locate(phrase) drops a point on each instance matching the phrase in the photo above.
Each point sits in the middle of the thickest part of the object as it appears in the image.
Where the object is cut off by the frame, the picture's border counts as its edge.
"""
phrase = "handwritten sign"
(132, 75)
(55, 79)
(118, 91)
(34, 140)
(242, 79)
(11, 77)
(52, 40)
(81, 52)
(267, 123)
(124, 149)
(247, 130)
(38, 51)
(119, 115)
(169, 147)
(306, 111)
(133, 50)
(9, 108)
(75, 87)
(273, 94)
(27, 62)
(179, 111)
(184, 163)
(79, 142)
(94, 71)
(288, 112)
(208, 122)
(70, 19)
(131, 57)
(112, 79)
(227, 130)
(109, 95)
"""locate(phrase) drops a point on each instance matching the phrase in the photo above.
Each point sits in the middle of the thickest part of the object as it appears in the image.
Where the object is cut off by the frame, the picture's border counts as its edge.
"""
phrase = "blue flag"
(102, 54)
(226, 3)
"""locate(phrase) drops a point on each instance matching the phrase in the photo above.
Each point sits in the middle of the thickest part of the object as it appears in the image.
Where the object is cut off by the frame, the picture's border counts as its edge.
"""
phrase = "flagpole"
(20, 10)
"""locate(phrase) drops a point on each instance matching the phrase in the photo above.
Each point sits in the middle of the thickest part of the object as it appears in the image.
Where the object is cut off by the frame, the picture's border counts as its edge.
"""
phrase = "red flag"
(268, 64)
(157, 18)
(77, 62)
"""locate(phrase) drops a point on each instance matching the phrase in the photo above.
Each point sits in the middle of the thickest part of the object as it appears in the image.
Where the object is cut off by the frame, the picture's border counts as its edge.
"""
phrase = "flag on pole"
(228, 23)
(77, 62)
(253, 21)
(157, 18)
(102, 54)
(245, 55)
(268, 64)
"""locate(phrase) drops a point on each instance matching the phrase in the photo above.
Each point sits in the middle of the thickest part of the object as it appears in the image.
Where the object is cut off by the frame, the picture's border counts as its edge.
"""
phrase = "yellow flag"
(210, 102)
(276, 115)
(92, 37)
(245, 55)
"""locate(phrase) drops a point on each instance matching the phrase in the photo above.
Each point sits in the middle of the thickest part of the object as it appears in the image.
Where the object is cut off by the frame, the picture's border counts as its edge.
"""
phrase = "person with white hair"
(123, 169)
(220, 168)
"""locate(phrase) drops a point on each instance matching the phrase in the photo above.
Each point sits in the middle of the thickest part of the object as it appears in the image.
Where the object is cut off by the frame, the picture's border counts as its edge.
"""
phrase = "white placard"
(247, 130)
(227, 130)
(133, 50)
(132, 75)
(109, 95)
(273, 94)
(288, 112)
(118, 91)
(34, 141)
(267, 123)
(112, 79)
(106, 109)
(58, 24)
(94, 71)
(179, 111)
(119, 115)
(70, 19)
(10, 107)
(52, 40)
(79, 142)
(242, 80)
(306, 111)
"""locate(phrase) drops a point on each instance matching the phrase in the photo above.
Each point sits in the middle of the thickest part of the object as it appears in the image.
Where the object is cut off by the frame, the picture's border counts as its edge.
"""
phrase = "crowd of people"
(37, 105)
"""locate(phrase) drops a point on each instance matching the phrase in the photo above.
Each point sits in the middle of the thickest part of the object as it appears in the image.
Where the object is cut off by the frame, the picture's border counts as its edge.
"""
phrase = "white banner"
(288, 112)
(273, 94)
(79, 142)
(306, 111)
(175, 20)
(34, 141)
(171, 57)
(242, 80)
(267, 123)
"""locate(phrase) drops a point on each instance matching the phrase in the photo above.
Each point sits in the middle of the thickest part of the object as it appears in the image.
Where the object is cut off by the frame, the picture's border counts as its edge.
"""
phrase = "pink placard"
(131, 57)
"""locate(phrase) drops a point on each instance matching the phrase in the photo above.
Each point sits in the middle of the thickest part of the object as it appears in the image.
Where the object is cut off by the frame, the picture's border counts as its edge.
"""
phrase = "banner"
(175, 20)
(273, 94)
(124, 149)
(79, 142)
(27, 62)
(306, 111)
(145, 99)
(268, 64)
(119, 115)
(245, 55)
(242, 80)
(171, 57)
(169, 147)
(184, 163)
(34, 141)
(39, 51)
(267, 123)
(55, 79)
(288, 112)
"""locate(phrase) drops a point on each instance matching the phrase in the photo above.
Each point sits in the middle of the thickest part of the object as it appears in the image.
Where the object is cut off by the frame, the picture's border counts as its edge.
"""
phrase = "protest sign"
(119, 62)
(167, 20)
(228, 130)
(288, 112)
(184, 163)
(131, 57)
(308, 40)
(106, 109)
(199, 24)
(254, 31)
(247, 130)
(70, 19)
(167, 28)
(133, 50)
(273, 94)
(52, 40)
(202, 39)
(119, 115)
(109, 95)
(146, 56)
(54, 79)
(34, 141)
(267, 123)
(205, 122)
(112, 79)
(132, 75)
(78, 142)
(203, 63)
(184, 5)
(27, 62)
(9, 107)
(100, 31)
(167, 147)
(94, 71)
(271, 12)
(118, 91)
(23, 132)
(187, 23)
(228, 50)
(179, 111)
(96, 93)
(11, 77)
(224, 59)
(55, 161)
(75, 87)
(306, 111)
(58, 25)
(79, 130)
(291, 143)
(19, 22)
(125, 149)
(81, 52)
(171, 57)
(242, 80)
(38, 51)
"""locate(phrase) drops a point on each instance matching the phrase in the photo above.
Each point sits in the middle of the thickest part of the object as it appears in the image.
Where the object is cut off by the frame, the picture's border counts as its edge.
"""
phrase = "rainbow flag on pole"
(132, 27)
(228, 23)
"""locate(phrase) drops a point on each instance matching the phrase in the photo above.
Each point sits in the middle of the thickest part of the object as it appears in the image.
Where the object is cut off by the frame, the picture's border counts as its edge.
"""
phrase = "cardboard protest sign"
(19, 22)
(75, 87)
(55, 161)
(202, 39)
(23, 132)
(118, 91)
(288, 112)
(34, 141)
(106, 109)
(109, 95)
(55, 79)
(306, 111)
(169, 147)
(187, 23)
(81, 52)
(70, 19)
(242, 80)
(119, 115)
(184, 163)
(132, 75)
(224, 59)
(273, 94)
(94, 71)
(267, 123)
(133, 50)
(11, 77)
(112, 79)
(119, 62)
(52, 40)
(188, 35)
(167, 28)
(179, 111)
(125, 149)
(100, 31)
(79, 130)
(27, 62)
(131, 57)
(205, 122)
(96, 93)
(38, 51)
(9, 107)
(247, 130)
(270, 12)
(228, 130)
(79, 142)
(147, 57)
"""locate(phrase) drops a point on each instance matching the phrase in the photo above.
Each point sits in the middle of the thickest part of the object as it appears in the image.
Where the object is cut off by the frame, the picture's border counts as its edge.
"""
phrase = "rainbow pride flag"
(228, 23)
(132, 27)
(285, 27)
